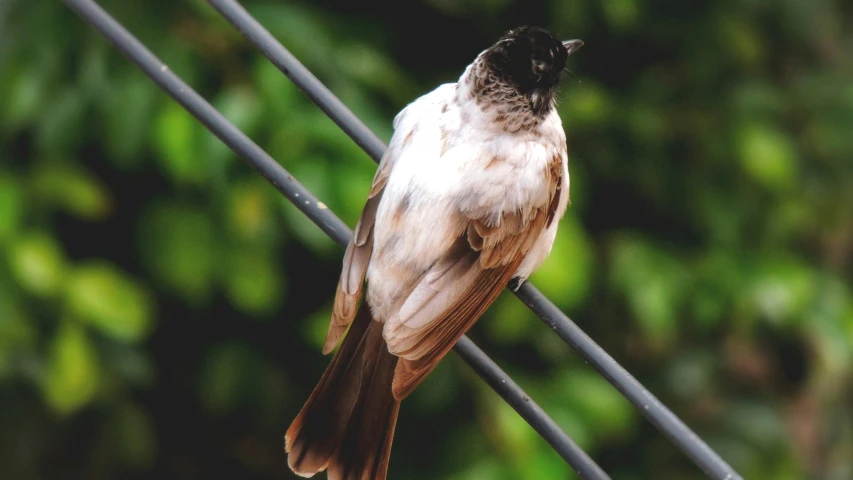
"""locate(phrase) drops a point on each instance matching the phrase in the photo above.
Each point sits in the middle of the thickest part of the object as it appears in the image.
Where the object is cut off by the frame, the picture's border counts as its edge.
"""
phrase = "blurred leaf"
(517, 437)
(126, 115)
(221, 378)
(275, 89)
(352, 185)
(469, 8)
(23, 94)
(177, 138)
(180, 249)
(314, 174)
(254, 282)
(767, 156)
(485, 468)
(316, 326)
(69, 187)
(585, 105)
(647, 122)
(621, 14)
(592, 399)
(511, 322)
(110, 301)
(129, 364)
(758, 423)
(242, 108)
(134, 436)
(61, 128)
(250, 215)
(235, 375)
(17, 333)
(692, 377)
(781, 290)
(37, 264)
(719, 283)
(654, 283)
(371, 68)
(570, 17)
(566, 274)
(831, 318)
(546, 464)
(72, 375)
(303, 29)
(741, 40)
(11, 205)
(439, 390)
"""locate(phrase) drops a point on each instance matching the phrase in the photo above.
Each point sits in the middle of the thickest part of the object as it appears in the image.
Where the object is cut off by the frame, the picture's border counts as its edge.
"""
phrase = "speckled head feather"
(519, 75)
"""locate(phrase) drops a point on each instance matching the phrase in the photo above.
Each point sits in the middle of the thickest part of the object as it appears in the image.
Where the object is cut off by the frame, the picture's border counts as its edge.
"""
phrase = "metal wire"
(159, 72)
(679, 433)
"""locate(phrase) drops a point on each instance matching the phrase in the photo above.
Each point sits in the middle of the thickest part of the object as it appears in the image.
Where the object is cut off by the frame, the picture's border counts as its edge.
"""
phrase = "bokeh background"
(162, 308)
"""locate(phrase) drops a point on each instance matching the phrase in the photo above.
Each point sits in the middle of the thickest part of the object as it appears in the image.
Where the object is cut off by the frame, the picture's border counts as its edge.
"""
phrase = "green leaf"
(179, 248)
(177, 139)
(126, 115)
(72, 375)
(586, 105)
(62, 128)
(70, 187)
(134, 436)
(24, 93)
(621, 14)
(11, 205)
(17, 332)
(566, 275)
(316, 175)
(372, 68)
(768, 156)
(224, 376)
(37, 264)
(110, 301)
(316, 326)
(515, 434)
(653, 281)
(781, 290)
(250, 211)
(545, 463)
(254, 282)
(510, 321)
(602, 409)
(275, 89)
(740, 39)
(242, 108)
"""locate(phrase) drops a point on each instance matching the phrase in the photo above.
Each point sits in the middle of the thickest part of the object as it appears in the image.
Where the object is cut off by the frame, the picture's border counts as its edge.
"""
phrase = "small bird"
(466, 199)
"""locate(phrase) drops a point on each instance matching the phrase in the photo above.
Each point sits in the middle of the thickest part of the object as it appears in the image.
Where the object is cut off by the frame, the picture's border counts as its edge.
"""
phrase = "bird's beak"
(572, 45)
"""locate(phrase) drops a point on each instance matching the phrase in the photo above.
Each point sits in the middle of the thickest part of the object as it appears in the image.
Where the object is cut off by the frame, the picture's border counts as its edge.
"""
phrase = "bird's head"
(530, 60)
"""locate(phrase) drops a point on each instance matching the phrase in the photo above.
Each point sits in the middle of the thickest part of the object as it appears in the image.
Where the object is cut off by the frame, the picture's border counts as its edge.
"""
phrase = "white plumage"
(448, 158)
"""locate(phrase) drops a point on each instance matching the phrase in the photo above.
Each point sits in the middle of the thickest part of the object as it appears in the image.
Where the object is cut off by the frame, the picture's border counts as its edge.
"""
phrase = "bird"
(465, 201)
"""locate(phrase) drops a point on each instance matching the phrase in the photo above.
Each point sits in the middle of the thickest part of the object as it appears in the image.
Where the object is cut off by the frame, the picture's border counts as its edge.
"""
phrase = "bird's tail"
(347, 425)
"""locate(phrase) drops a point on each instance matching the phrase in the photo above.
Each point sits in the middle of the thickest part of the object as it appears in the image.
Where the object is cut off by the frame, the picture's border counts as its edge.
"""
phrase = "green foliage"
(180, 248)
(37, 264)
(101, 296)
(162, 307)
(72, 372)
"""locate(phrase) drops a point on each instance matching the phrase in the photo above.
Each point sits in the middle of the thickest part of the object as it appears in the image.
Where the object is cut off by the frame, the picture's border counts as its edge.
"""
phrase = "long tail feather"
(347, 425)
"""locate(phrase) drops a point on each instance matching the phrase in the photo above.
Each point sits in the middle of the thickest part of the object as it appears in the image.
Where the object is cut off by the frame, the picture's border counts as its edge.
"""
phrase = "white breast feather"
(431, 187)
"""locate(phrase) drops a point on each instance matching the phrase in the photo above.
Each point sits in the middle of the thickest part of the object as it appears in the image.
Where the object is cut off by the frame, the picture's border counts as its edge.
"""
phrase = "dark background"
(162, 308)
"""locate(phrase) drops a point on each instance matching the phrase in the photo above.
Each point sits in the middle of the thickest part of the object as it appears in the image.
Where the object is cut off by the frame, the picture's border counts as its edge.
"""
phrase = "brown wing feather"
(499, 251)
(453, 324)
(498, 248)
(555, 172)
(356, 259)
